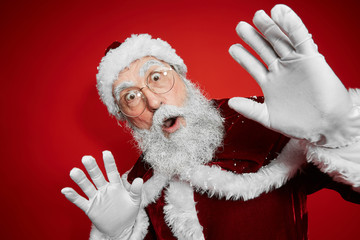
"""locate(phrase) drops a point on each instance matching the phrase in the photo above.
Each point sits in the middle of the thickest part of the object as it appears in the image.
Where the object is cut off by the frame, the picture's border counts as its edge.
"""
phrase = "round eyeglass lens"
(132, 102)
(161, 80)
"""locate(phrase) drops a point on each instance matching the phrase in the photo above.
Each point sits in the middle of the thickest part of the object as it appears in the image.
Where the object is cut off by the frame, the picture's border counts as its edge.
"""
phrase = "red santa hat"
(133, 48)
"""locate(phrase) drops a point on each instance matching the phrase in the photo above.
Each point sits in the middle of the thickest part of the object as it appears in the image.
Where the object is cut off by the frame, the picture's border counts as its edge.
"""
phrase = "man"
(207, 172)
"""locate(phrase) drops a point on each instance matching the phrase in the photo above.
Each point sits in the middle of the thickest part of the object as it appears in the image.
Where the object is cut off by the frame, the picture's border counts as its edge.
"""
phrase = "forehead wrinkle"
(120, 87)
(145, 67)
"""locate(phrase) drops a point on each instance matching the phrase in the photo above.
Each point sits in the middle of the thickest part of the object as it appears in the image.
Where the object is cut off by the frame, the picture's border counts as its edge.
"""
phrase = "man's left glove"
(304, 98)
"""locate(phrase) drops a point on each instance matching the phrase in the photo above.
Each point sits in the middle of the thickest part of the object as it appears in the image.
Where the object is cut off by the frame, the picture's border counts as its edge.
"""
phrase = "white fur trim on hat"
(134, 47)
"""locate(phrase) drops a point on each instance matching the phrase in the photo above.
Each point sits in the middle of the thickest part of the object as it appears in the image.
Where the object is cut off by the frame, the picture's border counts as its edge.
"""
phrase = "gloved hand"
(303, 97)
(111, 208)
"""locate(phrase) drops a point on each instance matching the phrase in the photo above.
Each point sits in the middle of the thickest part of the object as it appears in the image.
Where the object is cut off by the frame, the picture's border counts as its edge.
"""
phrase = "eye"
(155, 77)
(131, 96)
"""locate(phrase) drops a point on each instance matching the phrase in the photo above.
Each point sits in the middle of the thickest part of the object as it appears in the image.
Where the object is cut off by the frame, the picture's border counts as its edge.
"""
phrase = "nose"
(154, 100)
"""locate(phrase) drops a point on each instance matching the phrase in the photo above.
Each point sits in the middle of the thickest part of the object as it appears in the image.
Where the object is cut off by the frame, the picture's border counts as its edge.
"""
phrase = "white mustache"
(165, 112)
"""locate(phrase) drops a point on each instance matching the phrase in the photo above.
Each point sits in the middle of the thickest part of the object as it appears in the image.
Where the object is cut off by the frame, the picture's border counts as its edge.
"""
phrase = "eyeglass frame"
(117, 101)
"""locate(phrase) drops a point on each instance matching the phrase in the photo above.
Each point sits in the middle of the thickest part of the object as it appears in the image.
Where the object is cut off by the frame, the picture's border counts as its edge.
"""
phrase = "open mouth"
(171, 124)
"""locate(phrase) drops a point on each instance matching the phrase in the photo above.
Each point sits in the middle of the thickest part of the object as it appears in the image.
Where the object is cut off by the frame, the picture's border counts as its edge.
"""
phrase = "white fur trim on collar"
(223, 184)
(216, 182)
(180, 212)
(152, 189)
(134, 47)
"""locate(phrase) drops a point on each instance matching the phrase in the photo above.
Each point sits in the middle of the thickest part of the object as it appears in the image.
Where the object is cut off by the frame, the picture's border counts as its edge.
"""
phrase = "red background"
(51, 114)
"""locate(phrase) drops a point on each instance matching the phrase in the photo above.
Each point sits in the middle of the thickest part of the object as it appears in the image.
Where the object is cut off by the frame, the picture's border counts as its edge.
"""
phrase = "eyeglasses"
(132, 102)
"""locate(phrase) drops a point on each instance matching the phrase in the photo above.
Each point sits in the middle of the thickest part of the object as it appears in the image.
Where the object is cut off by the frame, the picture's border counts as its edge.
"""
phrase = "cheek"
(179, 94)
(144, 121)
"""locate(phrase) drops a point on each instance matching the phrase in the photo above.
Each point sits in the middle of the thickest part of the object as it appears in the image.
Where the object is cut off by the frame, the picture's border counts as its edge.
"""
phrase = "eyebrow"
(120, 87)
(145, 67)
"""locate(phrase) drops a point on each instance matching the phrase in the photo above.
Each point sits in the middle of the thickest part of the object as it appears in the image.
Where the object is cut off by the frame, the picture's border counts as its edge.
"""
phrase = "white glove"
(303, 97)
(111, 208)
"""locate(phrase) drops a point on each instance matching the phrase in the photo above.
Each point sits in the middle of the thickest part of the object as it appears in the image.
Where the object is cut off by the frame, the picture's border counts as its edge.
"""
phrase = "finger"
(125, 181)
(83, 182)
(94, 171)
(110, 167)
(75, 198)
(256, 42)
(136, 189)
(253, 66)
(294, 28)
(251, 109)
(273, 34)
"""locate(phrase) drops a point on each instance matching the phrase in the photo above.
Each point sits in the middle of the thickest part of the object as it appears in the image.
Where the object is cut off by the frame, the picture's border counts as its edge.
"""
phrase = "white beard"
(189, 146)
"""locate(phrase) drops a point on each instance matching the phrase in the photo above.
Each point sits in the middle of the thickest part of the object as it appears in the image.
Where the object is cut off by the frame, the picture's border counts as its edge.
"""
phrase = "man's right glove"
(111, 208)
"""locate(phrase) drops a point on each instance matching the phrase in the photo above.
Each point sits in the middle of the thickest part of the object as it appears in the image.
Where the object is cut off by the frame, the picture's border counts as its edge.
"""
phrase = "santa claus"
(223, 169)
